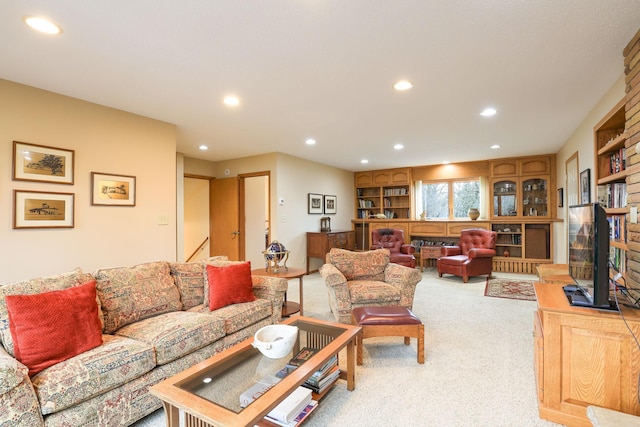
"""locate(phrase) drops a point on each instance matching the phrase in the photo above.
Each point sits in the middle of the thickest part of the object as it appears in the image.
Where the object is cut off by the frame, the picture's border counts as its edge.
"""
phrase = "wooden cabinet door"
(505, 167)
(535, 166)
(363, 179)
(381, 177)
(400, 177)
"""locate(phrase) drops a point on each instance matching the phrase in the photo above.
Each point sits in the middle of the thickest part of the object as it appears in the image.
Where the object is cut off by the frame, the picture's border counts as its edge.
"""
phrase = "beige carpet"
(478, 369)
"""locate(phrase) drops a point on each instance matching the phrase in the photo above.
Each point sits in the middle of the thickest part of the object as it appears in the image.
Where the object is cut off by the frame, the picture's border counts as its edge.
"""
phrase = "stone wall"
(632, 112)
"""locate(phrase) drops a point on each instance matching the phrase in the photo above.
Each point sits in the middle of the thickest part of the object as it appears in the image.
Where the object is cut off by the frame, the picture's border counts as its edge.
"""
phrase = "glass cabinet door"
(505, 202)
(534, 197)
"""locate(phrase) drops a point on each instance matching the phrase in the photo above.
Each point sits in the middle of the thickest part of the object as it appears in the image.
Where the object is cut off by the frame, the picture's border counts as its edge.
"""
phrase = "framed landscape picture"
(40, 163)
(315, 203)
(40, 209)
(330, 204)
(113, 190)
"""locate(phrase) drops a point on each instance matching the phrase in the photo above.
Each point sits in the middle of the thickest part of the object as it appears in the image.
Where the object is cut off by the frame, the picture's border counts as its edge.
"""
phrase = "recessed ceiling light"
(231, 100)
(43, 25)
(398, 147)
(446, 162)
(403, 85)
(363, 161)
(488, 112)
(310, 141)
(203, 147)
(495, 146)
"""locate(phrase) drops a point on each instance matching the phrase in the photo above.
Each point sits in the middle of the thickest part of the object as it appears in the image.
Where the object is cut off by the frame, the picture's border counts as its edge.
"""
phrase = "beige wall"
(582, 141)
(105, 140)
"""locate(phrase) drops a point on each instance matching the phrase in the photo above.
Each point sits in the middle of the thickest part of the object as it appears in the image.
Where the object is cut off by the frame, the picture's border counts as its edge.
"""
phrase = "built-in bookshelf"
(611, 170)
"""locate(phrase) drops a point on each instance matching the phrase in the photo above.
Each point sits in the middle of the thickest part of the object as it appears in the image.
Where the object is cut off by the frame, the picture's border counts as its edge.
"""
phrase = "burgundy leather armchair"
(393, 239)
(472, 257)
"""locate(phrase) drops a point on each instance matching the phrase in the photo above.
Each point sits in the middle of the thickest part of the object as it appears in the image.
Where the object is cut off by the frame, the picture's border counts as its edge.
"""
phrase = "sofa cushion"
(30, 287)
(372, 291)
(368, 265)
(189, 278)
(239, 316)
(175, 334)
(230, 284)
(50, 327)
(129, 294)
(117, 361)
(218, 262)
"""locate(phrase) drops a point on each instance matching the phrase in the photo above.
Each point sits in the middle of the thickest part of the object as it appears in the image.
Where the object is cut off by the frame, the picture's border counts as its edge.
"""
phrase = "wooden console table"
(583, 357)
(319, 244)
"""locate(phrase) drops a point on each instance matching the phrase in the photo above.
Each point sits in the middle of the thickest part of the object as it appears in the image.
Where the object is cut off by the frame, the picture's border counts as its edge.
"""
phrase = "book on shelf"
(258, 389)
(322, 384)
(303, 355)
(291, 406)
(297, 420)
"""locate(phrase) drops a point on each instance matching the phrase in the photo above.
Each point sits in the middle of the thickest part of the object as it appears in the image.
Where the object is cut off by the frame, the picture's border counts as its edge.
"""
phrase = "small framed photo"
(315, 203)
(330, 206)
(40, 163)
(585, 186)
(112, 190)
(40, 209)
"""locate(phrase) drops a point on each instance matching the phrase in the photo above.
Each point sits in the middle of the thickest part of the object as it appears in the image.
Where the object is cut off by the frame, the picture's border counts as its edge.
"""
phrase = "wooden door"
(225, 218)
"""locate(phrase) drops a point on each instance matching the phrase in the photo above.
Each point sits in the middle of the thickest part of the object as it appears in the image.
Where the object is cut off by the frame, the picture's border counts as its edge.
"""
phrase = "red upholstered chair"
(393, 239)
(472, 257)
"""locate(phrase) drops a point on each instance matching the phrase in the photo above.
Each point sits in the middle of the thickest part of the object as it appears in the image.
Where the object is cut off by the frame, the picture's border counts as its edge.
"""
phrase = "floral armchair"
(365, 279)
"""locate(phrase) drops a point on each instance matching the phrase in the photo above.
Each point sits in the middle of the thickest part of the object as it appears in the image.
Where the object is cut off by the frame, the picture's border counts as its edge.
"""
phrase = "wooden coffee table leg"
(173, 415)
(421, 344)
(351, 365)
(359, 348)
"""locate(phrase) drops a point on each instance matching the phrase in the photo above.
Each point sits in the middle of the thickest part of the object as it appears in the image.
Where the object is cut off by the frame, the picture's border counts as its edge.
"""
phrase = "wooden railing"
(204, 242)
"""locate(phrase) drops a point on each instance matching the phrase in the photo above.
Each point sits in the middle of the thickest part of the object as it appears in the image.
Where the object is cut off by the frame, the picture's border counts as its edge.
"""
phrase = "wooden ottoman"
(390, 321)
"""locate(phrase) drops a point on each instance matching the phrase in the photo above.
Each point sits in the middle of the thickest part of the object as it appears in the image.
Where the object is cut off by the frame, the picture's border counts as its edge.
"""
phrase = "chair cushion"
(239, 316)
(50, 327)
(372, 291)
(369, 265)
(454, 260)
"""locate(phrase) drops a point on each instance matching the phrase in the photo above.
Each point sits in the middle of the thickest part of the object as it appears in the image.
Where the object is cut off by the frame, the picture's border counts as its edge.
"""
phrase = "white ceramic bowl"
(275, 341)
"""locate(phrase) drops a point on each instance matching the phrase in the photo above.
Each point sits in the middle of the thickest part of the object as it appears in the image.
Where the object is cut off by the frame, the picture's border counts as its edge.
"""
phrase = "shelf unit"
(386, 192)
(611, 172)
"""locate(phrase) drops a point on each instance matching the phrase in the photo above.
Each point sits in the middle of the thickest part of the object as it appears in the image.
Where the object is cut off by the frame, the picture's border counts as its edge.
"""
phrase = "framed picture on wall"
(41, 209)
(315, 203)
(330, 204)
(113, 190)
(40, 163)
(585, 186)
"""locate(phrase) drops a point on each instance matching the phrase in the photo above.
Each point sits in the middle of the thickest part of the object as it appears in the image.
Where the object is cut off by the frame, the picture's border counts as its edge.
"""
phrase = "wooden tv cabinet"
(583, 357)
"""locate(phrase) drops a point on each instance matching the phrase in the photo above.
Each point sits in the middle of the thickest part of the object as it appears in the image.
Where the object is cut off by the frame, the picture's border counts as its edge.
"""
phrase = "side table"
(429, 252)
(289, 307)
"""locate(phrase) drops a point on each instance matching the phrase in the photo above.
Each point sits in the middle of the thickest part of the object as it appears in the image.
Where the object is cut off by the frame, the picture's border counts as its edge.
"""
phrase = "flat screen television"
(589, 257)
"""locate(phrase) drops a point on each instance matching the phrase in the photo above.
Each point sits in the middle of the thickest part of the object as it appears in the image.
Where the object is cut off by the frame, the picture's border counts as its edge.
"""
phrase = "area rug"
(510, 288)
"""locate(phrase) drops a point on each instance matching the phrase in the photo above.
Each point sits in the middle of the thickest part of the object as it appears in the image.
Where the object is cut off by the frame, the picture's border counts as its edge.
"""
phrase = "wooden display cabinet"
(387, 192)
(320, 243)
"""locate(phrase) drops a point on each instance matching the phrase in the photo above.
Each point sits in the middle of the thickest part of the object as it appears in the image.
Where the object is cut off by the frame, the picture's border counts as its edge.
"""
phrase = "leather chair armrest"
(481, 253)
(408, 249)
(451, 250)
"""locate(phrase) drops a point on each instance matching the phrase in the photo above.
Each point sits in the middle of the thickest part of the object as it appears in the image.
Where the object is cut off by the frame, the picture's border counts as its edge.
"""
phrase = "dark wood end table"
(289, 307)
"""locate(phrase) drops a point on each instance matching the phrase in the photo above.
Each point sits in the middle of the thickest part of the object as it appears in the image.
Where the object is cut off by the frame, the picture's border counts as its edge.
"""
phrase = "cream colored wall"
(196, 218)
(582, 141)
(105, 140)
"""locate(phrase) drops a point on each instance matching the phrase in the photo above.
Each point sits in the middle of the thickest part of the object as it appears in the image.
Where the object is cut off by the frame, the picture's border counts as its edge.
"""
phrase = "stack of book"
(322, 378)
(292, 410)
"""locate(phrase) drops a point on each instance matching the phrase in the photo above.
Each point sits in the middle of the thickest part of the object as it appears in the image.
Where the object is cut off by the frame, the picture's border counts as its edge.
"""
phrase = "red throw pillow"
(230, 284)
(50, 327)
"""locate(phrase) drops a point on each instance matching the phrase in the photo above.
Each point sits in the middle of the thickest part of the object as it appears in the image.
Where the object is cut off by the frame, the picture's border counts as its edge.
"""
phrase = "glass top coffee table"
(209, 392)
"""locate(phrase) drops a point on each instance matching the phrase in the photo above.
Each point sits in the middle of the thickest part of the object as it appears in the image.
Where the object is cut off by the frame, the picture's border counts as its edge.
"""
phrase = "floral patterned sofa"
(366, 279)
(152, 322)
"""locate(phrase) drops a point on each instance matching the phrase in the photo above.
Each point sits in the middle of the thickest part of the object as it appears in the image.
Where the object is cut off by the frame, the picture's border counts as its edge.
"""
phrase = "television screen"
(588, 242)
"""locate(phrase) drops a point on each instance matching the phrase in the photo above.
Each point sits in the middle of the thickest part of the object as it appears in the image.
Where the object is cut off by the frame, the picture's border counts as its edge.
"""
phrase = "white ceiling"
(324, 69)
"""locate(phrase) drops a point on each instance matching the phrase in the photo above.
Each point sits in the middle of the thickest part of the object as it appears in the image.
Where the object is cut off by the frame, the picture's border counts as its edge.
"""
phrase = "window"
(447, 199)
